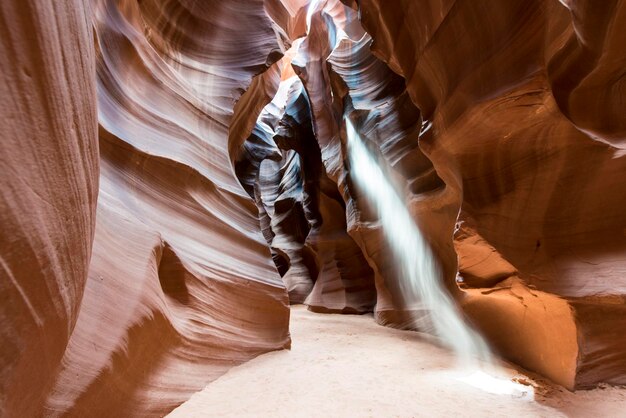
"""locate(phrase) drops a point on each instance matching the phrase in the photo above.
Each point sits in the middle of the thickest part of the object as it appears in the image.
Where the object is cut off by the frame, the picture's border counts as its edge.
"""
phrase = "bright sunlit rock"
(312, 8)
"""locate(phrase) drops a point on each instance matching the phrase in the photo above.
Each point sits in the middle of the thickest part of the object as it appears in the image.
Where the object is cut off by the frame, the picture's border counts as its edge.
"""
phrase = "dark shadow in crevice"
(172, 276)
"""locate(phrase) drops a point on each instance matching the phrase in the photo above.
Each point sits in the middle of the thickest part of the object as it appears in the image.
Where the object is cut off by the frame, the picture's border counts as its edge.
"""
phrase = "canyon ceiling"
(175, 172)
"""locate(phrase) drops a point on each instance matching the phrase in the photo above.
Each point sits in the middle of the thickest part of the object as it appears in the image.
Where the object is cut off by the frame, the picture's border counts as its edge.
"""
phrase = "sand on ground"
(348, 366)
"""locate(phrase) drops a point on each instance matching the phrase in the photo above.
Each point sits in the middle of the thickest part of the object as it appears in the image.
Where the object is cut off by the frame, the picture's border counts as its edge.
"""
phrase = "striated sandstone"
(522, 101)
(223, 188)
(48, 189)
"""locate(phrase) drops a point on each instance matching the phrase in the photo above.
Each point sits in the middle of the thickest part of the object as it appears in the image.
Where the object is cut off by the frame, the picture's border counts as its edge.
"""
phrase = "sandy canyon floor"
(348, 366)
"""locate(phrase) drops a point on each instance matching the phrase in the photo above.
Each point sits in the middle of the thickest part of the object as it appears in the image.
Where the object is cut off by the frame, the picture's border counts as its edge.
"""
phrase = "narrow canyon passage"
(312, 208)
(348, 366)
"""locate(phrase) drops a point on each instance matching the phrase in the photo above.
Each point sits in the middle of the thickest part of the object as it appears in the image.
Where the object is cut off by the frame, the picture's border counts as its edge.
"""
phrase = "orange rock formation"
(155, 188)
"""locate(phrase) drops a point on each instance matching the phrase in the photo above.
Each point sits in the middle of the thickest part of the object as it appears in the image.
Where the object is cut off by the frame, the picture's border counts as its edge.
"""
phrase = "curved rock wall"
(502, 123)
(181, 278)
(181, 285)
(522, 101)
(517, 170)
(302, 211)
(48, 189)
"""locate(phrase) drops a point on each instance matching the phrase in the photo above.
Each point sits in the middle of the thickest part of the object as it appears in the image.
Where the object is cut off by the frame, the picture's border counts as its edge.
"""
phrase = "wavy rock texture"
(378, 104)
(302, 212)
(48, 189)
(224, 167)
(181, 285)
(525, 104)
(343, 79)
(509, 103)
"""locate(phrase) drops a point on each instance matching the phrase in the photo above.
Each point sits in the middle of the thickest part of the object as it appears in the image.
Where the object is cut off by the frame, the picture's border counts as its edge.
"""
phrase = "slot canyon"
(311, 208)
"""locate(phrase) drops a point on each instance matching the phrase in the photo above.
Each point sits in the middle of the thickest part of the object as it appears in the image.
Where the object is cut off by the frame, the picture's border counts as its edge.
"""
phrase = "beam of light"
(420, 279)
(498, 386)
(312, 8)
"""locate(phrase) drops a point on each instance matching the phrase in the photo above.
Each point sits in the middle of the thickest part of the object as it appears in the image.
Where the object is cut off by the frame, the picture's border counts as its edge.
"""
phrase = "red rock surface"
(181, 285)
(181, 275)
(522, 101)
(516, 108)
(48, 189)
(502, 123)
